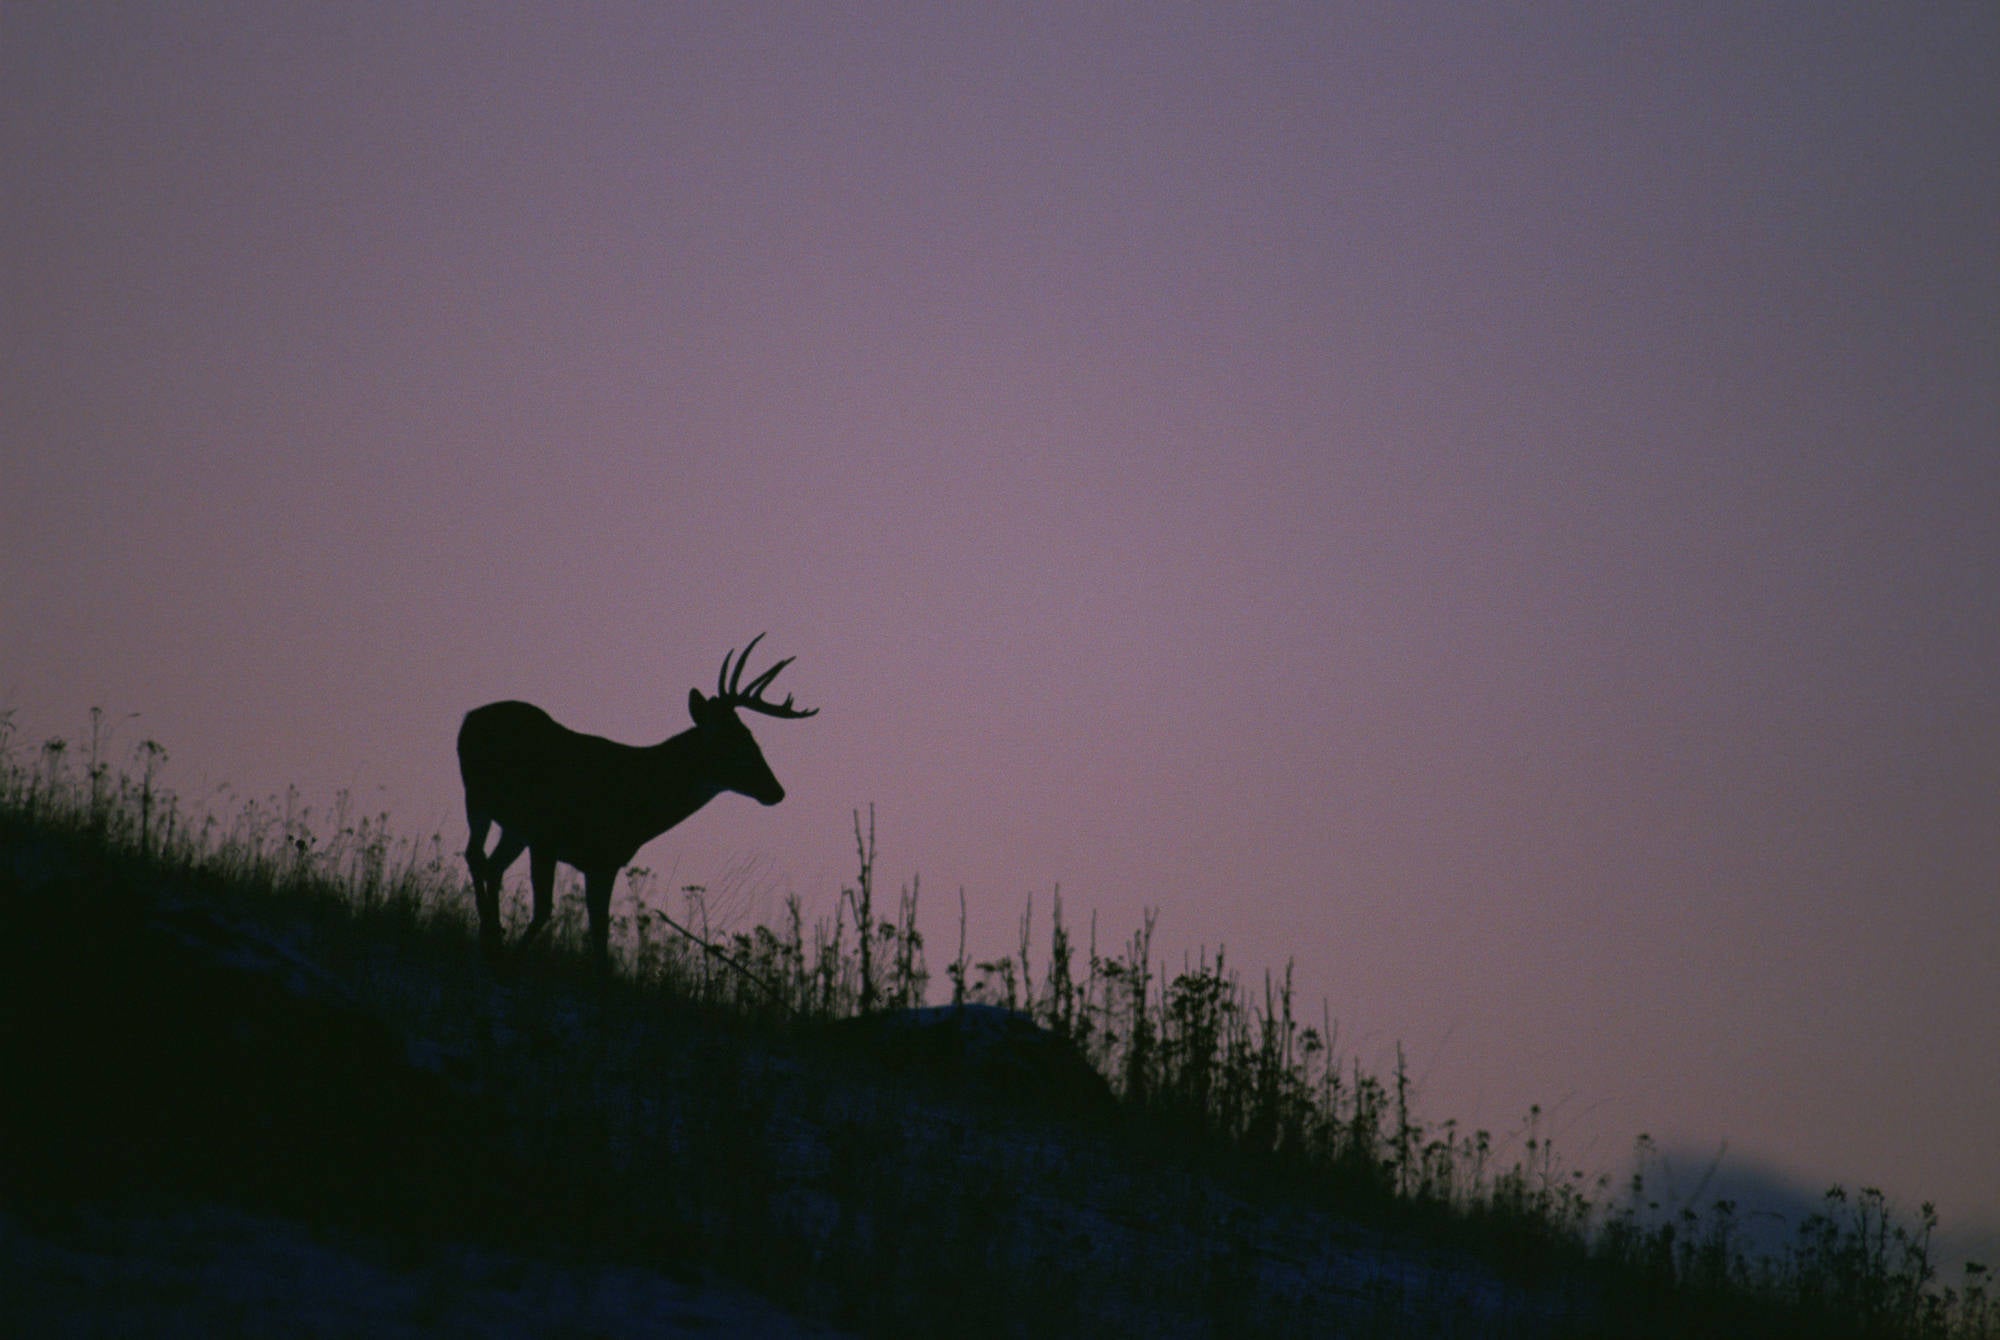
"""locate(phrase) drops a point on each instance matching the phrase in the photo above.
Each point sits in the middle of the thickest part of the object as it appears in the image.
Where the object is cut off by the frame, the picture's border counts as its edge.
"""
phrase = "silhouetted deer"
(592, 803)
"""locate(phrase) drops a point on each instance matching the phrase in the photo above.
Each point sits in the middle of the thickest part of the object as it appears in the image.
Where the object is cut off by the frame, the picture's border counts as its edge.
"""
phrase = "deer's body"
(591, 803)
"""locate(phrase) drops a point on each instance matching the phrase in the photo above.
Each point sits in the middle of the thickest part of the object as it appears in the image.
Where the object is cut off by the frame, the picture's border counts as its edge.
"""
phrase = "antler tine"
(754, 700)
(759, 684)
(784, 709)
(737, 679)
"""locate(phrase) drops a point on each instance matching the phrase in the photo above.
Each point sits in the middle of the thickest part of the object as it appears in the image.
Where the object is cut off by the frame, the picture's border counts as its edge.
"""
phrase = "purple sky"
(1503, 507)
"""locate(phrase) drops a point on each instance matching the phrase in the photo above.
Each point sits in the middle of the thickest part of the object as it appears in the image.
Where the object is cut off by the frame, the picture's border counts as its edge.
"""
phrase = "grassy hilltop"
(268, 1045)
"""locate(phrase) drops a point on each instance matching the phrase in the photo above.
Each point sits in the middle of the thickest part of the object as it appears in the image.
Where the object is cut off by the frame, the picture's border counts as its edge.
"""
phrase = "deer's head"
(739, 763)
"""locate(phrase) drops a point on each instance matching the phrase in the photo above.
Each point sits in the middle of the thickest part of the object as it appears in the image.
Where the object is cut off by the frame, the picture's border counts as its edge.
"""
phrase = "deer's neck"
(679, 778)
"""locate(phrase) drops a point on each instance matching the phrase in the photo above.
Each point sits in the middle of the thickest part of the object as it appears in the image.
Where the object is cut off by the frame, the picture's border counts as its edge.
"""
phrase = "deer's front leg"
(542, 874)
(486, 875)
(597, 887)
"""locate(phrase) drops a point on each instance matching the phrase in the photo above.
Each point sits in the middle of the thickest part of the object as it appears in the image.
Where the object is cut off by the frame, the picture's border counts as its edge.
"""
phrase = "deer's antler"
(732, 693)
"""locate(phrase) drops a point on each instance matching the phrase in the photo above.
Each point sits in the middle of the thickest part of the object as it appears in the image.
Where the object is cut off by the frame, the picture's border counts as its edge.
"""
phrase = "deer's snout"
(761, 786)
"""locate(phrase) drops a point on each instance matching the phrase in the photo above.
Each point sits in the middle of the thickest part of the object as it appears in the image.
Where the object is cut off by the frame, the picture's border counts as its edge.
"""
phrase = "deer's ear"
(697, 707)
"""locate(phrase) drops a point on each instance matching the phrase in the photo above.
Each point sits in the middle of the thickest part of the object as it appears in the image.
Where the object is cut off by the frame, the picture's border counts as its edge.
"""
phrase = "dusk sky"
(1498, 505)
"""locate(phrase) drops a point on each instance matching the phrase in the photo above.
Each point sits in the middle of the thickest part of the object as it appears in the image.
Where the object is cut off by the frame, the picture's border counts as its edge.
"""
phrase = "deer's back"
(516, 751)
(561, 788)
(498, 732)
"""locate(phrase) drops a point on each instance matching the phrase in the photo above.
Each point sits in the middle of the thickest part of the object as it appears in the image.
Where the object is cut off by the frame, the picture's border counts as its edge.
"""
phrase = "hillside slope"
(252, 1084)
(222, 1111)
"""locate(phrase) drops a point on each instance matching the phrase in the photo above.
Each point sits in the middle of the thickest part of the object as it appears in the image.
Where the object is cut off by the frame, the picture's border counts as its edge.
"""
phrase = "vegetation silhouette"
(592, 803)
(267, 1013)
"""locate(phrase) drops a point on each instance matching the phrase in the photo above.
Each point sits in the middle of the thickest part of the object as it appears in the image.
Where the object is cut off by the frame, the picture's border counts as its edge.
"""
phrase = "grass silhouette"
(289, 1013)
